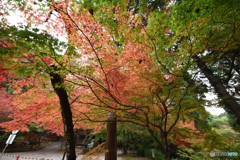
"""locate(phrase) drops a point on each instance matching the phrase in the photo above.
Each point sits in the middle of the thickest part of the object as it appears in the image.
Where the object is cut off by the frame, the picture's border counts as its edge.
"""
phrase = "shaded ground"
(52, 152)
(127, 157)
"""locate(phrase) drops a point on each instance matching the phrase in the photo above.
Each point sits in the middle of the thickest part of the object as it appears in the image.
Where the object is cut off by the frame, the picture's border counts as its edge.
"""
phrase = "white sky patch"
(16, 19)
(214, 109)
(210, 96)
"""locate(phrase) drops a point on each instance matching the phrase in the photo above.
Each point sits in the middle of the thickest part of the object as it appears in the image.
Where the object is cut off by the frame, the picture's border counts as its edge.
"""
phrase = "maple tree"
(36, 62)
(113, 91)
(6, 108)
(133, 64)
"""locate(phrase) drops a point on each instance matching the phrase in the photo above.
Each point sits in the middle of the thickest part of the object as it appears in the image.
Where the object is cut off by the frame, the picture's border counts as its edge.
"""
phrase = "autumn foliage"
(114, 59)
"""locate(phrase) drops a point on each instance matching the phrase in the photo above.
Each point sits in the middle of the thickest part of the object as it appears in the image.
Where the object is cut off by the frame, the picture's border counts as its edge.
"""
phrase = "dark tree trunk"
(111, 146)
(134, 148)
(125, 150)
(219, 87)
(57, 83)
(39, 140)
(165, 148)
(167, 156)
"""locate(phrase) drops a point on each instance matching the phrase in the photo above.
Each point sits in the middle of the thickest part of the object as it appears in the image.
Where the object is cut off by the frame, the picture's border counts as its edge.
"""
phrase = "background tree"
(209, 35)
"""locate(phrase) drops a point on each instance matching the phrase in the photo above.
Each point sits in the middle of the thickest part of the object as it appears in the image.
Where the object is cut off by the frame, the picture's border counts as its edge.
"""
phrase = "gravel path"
(49, 153)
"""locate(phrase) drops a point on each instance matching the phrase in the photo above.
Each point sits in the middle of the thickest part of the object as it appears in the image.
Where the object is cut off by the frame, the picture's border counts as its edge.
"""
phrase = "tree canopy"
(146, 62)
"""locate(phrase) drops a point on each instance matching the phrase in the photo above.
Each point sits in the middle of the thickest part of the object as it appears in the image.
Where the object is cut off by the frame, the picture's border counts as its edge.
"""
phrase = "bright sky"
(213, 110)
(14, 19)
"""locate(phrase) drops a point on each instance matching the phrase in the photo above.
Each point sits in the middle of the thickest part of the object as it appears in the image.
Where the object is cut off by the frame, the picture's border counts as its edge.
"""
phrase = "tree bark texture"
(57, 83)
(165, 147)
(167, 156)
(111, 145)
(219, 87)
